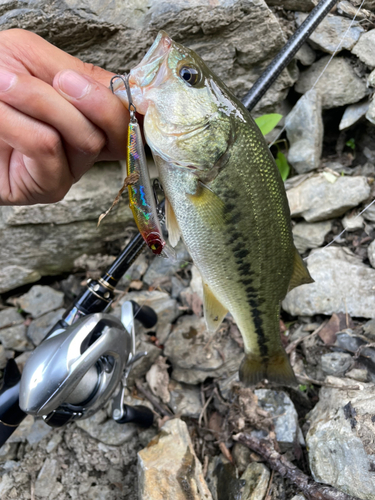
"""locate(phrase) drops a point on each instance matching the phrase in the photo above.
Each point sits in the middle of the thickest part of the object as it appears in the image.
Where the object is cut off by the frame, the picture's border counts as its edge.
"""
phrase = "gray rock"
(304, 128)
(370, 114)
(107, 431)
(336, 363)
(302, 5)
(284, 415)
(371, 253)
(360, 374)
(22, 358)
(8, 452)
(22, 431)
(369, 214)
(46, 484)
(348, 88)
(340, 438)
(54, 442)
(185, 399)
(228, 35)
(342, 284)
(371, 79)
(13, 330)
(3, 357)
(257, 478)
(161, 268)
(298, 497)
(39, 328)
(318, 198)
(14, 276)
(38, 431)
(306, 55)
(135, 271)
(353, 222)
(365, 48)
(169, 468)
(308, 235)
(195, 356)
(346, 8)
(40, 300)
(333, 33)
(353, 114)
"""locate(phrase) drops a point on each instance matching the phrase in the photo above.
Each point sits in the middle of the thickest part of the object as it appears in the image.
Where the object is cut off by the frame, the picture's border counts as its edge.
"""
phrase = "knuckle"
(50, 144)
(94, 143)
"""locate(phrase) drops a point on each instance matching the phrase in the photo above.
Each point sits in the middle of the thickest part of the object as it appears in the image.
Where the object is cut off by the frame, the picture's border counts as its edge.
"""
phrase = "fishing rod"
(87, 318)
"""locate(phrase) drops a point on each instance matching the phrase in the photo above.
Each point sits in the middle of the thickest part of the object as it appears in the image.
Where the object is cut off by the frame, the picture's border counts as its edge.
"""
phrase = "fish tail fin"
(275, 368)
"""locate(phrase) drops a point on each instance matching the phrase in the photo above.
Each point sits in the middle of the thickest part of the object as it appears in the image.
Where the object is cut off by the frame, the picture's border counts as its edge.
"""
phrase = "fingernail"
(6, 80)
(73, 84)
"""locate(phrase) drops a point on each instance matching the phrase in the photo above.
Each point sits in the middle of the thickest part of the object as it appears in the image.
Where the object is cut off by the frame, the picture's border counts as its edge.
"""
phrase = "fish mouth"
(150, 72)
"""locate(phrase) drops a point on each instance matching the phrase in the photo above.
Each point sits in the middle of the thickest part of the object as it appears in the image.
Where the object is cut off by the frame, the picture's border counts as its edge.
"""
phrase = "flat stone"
(370, 113)
(304, 128)
(333, 33)
(39, 327)
(13, 337)
(302, 5)
(10, 317)
(22, 358)
(298, 497)
(306, 55)
(342, 284)
(340, 438)
(107, 431)
(346, 8)
(20, 434)
(371, 253)
(369, 214)
(336, 363)
(3, 357)
(284, 415)
(360, 374)
(38, 431)
(257, 478)
(353, 222)
(46, 484)
(169, 467)
(348, 88)
(194, 358)
(14, 276)
(185, 399)
(353, 114)
(318, 198)
(158, 378)
(308, 235)
(40, 300)
(365, 48)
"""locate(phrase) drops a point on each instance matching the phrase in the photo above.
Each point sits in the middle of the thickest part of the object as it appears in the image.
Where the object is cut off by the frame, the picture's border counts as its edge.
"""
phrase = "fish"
(224, 197)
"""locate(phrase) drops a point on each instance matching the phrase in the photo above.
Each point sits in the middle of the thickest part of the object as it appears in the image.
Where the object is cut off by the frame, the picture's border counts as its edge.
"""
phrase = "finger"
(29, 51)
(100, 106)
(39, 100)
(37, 171)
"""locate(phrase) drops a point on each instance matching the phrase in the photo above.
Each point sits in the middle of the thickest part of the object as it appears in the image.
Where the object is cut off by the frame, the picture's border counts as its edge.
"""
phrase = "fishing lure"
(141, 195)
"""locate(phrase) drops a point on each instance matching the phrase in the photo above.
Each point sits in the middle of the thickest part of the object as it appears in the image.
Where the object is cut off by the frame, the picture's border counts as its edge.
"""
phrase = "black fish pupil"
(190, 75)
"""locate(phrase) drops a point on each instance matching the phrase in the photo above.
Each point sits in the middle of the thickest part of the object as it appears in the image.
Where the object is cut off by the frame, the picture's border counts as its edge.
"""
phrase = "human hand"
(58, 117)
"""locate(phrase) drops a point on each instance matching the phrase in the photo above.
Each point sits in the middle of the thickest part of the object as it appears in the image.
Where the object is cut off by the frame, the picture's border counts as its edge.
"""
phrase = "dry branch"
(280, 464)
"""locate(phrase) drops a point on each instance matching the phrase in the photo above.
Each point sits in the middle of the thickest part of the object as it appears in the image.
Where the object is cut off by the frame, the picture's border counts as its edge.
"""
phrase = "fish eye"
(190, 75)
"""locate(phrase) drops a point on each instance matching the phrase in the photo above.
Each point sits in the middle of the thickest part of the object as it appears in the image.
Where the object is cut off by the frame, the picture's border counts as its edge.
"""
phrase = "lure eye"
(190, 75)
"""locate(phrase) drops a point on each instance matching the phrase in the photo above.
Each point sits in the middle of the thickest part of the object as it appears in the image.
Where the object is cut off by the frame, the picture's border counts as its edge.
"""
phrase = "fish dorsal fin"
(301, 275)
(214, 311)
(173, 228)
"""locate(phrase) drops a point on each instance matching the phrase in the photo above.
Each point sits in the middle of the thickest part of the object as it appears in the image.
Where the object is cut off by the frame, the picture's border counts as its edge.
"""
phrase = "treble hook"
(125, 80)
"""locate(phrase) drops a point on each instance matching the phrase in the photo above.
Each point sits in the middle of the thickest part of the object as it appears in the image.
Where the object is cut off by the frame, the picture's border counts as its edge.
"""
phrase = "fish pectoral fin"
(301, 275)
(214, 311)
(174, 232)
(208, 204)
(275, 368)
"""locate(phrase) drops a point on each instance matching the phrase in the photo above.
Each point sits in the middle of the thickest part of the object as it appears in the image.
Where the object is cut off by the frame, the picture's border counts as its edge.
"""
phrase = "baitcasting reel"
(75, 371)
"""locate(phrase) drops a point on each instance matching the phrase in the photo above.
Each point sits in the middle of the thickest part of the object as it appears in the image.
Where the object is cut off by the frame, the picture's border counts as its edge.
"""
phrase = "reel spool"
(74, 372)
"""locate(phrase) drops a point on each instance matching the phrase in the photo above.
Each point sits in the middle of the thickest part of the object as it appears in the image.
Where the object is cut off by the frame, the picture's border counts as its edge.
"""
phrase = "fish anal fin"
(214, 311)
(301, 275)
(275, 368)
(173, 228)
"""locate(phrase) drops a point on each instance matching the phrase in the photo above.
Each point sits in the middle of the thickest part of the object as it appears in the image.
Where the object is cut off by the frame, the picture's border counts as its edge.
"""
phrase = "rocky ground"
(326, 426)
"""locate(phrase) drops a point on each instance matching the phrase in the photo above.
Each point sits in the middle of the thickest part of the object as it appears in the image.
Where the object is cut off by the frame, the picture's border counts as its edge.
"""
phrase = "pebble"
(257, 478)
(185, 399)
(39, 328)
(46, 484)
(15, 275)
(304, 128)
(40, 300)
(370, 114)
(333, 32)
(371, 253)
(340, 438)
(342, 284)
(353, 114)
(353, 222)
(318, 198)
(158, 378)
(345, 8)
(284, 415)
(308, 235)
(38, 431)
(169, 468)
(360, 374)
(54, 442)
(13, 337)
(161, 268)
(364, 49)
(348, 88)
(306, 55)
(336, 363)
(195, 356)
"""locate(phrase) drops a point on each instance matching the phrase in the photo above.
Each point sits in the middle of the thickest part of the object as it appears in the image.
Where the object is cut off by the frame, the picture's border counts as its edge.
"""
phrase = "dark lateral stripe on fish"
(258, 324)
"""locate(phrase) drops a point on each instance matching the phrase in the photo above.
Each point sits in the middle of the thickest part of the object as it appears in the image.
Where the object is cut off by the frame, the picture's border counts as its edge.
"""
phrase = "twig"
(304, 378)
(286, 469)
(162, 410)
(295, 343)
(360, 348)
(225, 451)
(268, 496)
(204, 409)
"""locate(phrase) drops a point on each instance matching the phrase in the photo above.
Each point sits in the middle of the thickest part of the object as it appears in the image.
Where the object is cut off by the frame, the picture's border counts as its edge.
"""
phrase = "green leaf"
(282, 165)
(351, 143)
(302, 387)
(266, 123)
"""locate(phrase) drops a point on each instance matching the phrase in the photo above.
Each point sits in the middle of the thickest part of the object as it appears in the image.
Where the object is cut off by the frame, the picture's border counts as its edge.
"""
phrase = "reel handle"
(145, 315)
(141, 415)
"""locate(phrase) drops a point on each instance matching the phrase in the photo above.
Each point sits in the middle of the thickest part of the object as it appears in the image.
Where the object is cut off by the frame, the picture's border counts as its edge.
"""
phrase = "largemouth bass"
(225, 196)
